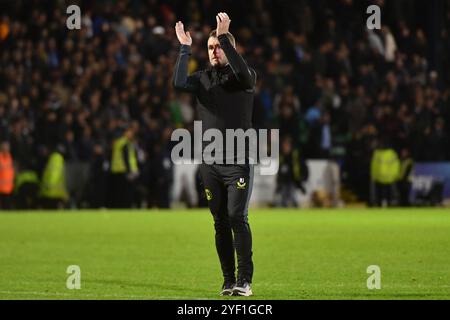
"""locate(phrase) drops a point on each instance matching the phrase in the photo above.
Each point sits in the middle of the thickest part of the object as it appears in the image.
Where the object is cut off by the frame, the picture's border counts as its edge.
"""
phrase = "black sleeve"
(243, 73)
(181, 80)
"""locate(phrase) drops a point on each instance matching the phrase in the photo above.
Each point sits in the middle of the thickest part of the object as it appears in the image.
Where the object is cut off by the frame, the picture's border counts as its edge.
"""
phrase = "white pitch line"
(61, 294)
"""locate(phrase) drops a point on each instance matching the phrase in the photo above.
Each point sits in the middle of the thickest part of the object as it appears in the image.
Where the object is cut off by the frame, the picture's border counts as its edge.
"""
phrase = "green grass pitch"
(298, 254)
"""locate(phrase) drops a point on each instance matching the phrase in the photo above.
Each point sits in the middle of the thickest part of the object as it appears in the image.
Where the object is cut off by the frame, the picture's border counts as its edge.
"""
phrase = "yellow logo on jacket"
(241, 184)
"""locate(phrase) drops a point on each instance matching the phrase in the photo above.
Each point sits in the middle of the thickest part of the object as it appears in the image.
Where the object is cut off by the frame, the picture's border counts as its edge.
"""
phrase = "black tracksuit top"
(224, 94)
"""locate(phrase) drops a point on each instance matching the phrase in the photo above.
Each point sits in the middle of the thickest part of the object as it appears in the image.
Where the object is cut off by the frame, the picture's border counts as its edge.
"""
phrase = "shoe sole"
(226, 293)
(237, 292)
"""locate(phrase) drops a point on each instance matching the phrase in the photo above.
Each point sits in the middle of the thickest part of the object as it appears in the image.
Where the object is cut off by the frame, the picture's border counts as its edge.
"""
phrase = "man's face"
(216, 55)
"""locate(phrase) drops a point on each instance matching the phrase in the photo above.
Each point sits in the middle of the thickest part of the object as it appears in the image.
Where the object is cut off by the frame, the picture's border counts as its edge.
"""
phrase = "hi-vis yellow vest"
(385, 166)
(27, 176)
(53, 183)
(118, 162)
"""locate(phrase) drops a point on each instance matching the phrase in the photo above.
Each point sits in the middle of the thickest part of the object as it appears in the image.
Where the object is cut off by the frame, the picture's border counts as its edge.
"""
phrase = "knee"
(238, 222)
(221, 224)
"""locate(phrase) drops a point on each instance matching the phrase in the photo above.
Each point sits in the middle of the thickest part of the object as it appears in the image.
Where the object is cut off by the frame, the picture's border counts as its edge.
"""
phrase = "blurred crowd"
(335, 89)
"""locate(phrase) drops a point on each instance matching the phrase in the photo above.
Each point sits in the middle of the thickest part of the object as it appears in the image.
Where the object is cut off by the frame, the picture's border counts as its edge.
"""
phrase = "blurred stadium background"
(364, 120)
(364, 115)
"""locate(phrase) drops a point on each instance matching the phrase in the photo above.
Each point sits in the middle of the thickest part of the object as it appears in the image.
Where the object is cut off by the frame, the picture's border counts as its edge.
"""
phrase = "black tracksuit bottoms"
(228, 189)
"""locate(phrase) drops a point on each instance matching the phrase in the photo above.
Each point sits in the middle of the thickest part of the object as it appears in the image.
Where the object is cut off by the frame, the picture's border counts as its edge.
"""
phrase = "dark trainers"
(227, 288)
(242, 288)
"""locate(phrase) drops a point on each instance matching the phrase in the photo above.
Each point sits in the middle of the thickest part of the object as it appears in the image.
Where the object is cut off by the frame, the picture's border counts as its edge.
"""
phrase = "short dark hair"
(229, 36)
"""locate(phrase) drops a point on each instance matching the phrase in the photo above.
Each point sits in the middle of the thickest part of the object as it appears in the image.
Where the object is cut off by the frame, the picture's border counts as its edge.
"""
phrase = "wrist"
(185, 48)
(222, 37)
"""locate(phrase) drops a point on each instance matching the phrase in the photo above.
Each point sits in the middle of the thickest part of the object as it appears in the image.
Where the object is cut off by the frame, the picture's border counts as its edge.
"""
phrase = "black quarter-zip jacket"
(224, 94)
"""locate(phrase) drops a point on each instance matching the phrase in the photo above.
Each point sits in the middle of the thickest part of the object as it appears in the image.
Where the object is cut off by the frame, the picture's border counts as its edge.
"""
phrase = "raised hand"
(223, 23)
(183, 37)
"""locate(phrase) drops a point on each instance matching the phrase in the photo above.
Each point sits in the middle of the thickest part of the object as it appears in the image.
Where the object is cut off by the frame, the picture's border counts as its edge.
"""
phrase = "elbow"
(177, 84)
(248, 86)
(181, 87)
(247, 83)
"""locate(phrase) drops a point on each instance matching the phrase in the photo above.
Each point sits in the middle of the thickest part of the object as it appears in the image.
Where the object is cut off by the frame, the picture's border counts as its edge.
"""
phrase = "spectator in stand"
(6, 176)
(321, 79)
